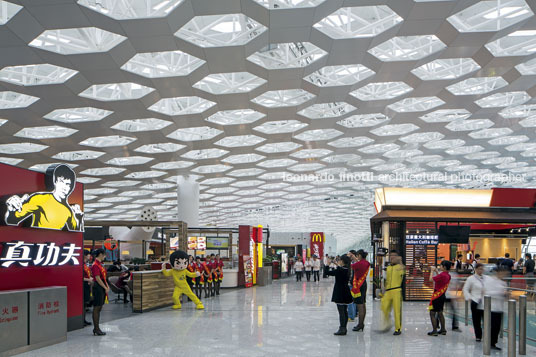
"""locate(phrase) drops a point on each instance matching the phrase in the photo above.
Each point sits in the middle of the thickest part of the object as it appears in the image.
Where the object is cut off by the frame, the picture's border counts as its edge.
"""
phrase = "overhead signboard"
(217, 243)
(422, 239)
(197, 243)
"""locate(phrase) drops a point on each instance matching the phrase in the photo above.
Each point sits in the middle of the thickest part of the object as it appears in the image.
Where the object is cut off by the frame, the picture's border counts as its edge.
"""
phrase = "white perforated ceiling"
(241, 93)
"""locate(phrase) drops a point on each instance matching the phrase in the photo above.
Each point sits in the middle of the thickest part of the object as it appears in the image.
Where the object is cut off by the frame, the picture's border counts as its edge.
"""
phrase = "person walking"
(100, 289)
(308, 268)
(452, 297)
(392, 296)
(495, 287)
(316, 268)
(298, 268)
(473, 290)
(341, 292)
(359, 287)
(441, 281)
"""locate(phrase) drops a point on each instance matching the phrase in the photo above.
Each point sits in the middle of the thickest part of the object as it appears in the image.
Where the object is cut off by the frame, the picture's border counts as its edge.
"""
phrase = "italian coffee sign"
(41, 231)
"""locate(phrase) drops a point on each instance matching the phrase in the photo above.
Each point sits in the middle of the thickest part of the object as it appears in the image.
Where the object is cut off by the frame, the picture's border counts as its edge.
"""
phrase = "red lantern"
(110, 244)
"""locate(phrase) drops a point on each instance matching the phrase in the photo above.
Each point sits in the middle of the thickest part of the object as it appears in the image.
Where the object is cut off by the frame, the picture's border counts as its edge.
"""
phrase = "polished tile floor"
(283, 319)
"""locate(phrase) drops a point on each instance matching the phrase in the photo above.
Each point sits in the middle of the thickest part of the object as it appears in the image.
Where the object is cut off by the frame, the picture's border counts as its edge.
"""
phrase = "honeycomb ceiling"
(241, 93)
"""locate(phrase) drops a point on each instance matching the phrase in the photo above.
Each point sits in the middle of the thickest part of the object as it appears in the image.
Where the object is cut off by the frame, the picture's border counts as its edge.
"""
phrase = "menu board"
(197, 243)
(217, 243)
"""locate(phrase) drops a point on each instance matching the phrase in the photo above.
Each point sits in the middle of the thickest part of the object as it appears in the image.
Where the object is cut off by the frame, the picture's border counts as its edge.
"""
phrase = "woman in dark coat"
(341, 292)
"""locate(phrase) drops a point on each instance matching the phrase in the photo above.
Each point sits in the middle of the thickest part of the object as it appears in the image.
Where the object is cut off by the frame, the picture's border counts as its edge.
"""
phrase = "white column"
(188, 200)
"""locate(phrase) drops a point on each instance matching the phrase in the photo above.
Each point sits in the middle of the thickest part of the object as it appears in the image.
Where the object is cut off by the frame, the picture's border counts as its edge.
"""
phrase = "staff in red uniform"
(100, 289)
(88, 284)
(441, 284)
(191, 268)
(359, 286)
(198, 280)
(218, 265)
(207, 276)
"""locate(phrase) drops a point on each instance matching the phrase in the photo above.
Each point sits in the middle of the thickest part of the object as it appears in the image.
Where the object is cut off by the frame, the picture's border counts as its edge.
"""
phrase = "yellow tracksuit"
(182, 287)
(393, 294)
(47, 213)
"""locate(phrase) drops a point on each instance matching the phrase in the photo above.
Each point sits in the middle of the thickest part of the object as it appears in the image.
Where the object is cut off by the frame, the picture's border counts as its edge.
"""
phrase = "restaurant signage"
(422, 239)
(41, 234)
(38, 254)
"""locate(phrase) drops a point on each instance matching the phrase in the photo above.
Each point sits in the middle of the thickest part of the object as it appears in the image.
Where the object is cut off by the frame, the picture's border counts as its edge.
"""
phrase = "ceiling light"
(36, 74)
(220, 30)
(71, 41)
(141, 125)
(78, 115)
(108, 141)
(45, 132)
(182, 105)
(12, 100)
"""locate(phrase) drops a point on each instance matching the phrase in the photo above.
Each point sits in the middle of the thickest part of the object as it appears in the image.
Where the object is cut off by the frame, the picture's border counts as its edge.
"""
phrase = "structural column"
(187, 205)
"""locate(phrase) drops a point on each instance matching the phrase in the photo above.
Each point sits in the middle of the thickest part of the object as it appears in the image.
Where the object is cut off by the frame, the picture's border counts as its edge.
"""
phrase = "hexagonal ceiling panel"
(244, 95)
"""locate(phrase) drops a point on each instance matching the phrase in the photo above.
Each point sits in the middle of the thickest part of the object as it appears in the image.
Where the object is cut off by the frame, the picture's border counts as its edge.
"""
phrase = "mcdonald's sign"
(317, 244)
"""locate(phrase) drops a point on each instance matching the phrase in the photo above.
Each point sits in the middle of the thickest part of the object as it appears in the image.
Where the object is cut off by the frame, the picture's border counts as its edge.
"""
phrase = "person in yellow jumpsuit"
(392, 297)
(49, 210)
(179, 263)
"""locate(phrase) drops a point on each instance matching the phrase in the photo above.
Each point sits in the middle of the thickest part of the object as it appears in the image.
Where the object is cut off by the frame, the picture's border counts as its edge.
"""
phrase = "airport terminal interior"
(267, 177)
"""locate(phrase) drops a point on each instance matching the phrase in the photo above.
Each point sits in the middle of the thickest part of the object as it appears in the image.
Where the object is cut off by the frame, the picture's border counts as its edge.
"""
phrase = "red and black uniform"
(218, 273)
(359, 283)
(87, 286)
(99, 294)
(441, 284)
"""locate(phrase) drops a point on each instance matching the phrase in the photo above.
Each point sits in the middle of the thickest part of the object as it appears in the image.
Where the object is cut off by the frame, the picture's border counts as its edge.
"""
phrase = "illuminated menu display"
(422, 239)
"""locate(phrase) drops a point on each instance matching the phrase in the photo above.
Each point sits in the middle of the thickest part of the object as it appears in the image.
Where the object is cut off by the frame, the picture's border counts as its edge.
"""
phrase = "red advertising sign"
(41, 229)
(317, 244)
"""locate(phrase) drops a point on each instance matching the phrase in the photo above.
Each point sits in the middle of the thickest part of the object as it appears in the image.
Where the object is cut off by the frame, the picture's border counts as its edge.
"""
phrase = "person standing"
(528, 272)
(441, 281)
(198, 280)
(218, 265)
(506, 263)
(100, 289)
(392, 297)
(207, 276)
(475, 262)
(88, 284)
(359, 287)
(473, 290)
(308, 266)
(325, 263)
(298, 268)
(316, 268)
(341, 292)
(458, 265)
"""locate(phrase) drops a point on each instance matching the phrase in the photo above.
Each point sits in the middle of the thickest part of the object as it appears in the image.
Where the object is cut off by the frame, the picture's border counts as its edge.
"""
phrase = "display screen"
(454, 234)
(197, 243)
(217, 243)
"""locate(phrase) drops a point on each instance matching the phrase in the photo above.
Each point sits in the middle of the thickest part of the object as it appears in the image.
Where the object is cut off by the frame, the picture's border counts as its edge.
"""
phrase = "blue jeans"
(352, 311)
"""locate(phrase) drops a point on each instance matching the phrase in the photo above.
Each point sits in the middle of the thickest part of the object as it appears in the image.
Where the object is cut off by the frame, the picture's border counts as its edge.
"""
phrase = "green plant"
(138, 261)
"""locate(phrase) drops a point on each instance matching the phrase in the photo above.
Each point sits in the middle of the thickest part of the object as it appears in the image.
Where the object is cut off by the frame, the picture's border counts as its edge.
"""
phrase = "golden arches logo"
(317, 238)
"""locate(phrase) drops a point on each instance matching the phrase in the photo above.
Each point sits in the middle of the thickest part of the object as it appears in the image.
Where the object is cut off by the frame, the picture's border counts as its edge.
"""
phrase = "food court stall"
(426, 226)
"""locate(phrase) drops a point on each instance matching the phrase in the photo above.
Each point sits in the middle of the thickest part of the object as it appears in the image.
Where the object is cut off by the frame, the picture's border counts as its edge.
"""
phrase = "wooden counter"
(151, 290)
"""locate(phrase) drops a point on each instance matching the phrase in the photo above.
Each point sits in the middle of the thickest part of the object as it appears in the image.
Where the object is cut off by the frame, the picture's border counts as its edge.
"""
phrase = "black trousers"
(343, 315)
(308, 274)
(298, 275)
(452, 307)
(316, 275)
(496, 318)
(477, 319)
